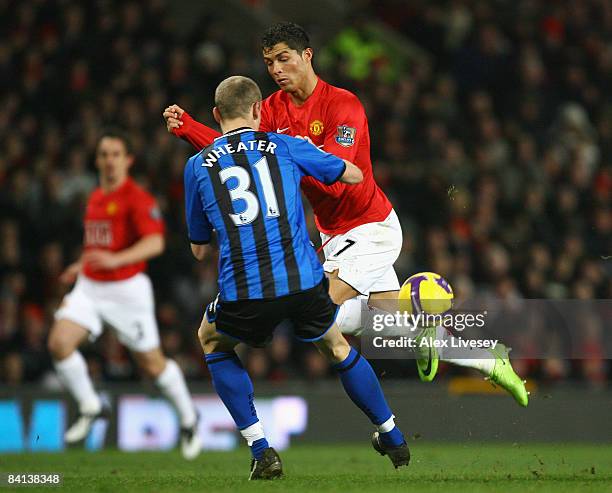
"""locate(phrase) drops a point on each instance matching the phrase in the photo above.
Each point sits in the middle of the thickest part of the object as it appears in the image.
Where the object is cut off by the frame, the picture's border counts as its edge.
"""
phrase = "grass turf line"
(339, 468)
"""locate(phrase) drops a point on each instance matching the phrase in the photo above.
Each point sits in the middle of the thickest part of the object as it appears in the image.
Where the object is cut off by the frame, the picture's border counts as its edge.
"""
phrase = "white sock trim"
(253, 433)
(387, 426)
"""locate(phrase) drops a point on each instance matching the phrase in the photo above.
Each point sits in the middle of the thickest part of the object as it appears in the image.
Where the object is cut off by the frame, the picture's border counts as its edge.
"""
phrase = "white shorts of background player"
(127, 306)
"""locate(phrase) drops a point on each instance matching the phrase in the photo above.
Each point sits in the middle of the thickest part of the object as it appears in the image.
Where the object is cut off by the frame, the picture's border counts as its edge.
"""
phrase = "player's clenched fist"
(172, 115)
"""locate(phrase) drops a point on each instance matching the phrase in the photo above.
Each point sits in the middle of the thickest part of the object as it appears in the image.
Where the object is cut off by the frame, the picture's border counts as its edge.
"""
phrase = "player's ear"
(217, 115)
(307, 54)
(256, 110)
(256, 114)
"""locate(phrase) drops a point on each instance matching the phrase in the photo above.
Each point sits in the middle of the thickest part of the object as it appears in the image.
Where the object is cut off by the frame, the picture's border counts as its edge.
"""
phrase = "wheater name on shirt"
(225, 149)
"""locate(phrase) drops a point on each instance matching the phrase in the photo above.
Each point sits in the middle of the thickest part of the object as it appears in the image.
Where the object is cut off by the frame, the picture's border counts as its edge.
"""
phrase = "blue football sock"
(258, 447)
(362, 386)
(234, 387)
(393, 438)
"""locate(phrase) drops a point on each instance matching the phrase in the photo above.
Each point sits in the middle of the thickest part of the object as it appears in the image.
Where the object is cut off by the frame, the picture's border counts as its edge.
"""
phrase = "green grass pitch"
(340, 468)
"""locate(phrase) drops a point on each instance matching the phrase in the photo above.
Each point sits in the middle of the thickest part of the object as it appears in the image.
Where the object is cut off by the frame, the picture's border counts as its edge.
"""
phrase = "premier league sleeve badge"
(346, 135)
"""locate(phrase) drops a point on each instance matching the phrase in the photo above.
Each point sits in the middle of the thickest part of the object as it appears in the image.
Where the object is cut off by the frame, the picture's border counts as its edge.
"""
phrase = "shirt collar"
(238, 130)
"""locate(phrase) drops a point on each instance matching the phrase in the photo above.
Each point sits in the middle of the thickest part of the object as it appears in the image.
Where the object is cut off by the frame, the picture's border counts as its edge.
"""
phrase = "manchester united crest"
(316, 127)
(112, 208)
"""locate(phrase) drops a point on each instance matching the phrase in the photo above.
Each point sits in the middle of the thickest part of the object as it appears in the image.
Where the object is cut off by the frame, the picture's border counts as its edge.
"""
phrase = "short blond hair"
(235, 95)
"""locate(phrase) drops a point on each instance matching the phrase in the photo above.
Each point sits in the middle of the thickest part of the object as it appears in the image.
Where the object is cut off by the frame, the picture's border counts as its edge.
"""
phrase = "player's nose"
(277, 68)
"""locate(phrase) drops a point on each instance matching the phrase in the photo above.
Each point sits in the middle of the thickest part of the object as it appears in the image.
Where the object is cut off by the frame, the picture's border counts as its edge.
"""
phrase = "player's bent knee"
(202, 337)
(61, 342)
(209, 347)
(209, 338)
(53, 344)
(213, 342)
(216, 344)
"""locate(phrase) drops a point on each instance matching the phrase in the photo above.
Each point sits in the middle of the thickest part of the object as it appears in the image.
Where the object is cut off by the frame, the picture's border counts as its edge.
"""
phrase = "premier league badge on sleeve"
(346, 136)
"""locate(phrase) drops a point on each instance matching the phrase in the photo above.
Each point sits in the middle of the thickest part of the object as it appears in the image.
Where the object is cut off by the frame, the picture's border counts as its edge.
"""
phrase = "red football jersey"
(115, 221)
(336, 122)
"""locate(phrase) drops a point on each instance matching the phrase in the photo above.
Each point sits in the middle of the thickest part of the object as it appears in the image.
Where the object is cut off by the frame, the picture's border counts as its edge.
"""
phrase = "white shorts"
(364, 256)
(127, 306)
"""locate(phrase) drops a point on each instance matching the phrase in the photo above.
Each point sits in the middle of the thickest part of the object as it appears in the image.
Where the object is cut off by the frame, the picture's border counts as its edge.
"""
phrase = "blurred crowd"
(492, 140)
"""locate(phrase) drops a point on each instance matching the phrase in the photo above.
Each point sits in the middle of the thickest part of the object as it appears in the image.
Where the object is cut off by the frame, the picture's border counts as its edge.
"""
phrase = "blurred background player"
(246, 185)
(360, 232)
(123, 229)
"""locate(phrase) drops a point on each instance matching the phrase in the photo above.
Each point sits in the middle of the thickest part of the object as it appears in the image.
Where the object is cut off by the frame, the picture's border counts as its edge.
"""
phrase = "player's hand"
(70, 274)
(305, 137)
(172, 115)
(101, 259)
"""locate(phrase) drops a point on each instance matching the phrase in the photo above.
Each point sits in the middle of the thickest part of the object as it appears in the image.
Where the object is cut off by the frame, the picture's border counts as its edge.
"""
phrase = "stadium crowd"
(493, 143)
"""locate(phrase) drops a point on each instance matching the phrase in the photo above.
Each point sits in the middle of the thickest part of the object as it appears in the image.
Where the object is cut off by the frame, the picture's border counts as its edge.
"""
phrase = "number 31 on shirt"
(242, 191)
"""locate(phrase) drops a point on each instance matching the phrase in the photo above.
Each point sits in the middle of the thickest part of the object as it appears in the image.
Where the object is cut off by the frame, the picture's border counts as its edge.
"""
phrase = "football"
(426, 292)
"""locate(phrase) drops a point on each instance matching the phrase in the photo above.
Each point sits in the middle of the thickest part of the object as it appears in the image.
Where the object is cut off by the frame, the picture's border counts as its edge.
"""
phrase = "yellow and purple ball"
(426, 292)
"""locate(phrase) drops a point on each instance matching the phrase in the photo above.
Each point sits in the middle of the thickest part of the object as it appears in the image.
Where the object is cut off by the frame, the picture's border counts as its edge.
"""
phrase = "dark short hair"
(235, 96)
(116, 133)
(290, 33)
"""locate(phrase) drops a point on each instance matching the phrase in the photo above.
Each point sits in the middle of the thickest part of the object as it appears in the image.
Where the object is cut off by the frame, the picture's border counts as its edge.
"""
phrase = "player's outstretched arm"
(321, 165)
(181, 124)
(147, 247)
(352, 174)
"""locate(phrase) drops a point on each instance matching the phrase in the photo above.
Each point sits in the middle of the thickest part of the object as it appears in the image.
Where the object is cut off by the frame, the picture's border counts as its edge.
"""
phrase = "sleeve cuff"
(339, 175)
(199, 242)
(181, 131)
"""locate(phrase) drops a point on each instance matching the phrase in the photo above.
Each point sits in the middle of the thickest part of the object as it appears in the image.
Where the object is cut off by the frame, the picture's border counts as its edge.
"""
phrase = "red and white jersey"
(115, 221)
(336, 122)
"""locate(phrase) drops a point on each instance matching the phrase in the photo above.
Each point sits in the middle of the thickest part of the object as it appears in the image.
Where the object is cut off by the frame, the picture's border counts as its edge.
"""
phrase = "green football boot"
(504, 375)
(427, 356)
